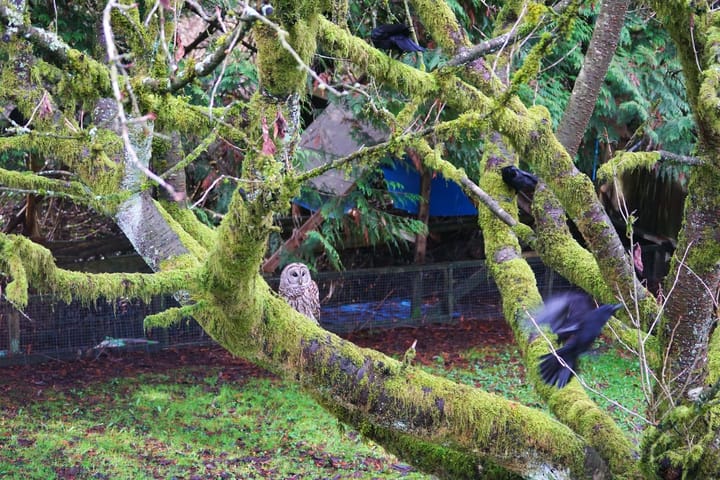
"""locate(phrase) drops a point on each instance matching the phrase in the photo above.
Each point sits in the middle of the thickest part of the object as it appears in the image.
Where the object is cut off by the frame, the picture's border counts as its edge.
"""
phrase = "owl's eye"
(294, 274)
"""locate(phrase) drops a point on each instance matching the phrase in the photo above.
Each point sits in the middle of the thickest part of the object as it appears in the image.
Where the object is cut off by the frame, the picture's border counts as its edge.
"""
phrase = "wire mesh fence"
(351, 301)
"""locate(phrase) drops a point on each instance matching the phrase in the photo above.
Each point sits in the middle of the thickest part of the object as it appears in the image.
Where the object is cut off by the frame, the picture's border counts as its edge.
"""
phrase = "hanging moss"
(17, 289)
(40, 271)
(626, 162)
(172, 316)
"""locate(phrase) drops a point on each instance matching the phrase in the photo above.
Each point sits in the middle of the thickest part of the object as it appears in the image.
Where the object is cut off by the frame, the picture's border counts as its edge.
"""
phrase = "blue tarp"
(387, 313)
(446, 197)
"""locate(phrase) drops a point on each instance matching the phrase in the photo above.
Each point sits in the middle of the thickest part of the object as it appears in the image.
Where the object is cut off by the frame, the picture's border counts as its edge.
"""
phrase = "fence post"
(13, 319)
(417, 296)
(449, 284)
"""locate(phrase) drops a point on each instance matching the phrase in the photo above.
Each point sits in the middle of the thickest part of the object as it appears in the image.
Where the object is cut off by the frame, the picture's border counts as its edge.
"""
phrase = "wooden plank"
(295, 240)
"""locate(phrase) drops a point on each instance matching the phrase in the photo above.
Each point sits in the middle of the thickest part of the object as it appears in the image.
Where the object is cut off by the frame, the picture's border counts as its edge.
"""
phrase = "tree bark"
(692, 291)
(600, 53)
(139, 216)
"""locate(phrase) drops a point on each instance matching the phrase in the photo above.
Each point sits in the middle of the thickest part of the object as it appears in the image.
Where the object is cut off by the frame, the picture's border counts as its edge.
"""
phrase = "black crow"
(395, 37)
(577, 324)
(518, 179)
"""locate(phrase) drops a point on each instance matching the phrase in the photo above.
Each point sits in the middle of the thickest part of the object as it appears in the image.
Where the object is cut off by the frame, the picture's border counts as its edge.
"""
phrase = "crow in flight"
(518, 179)
(395, 37)
(577, 324)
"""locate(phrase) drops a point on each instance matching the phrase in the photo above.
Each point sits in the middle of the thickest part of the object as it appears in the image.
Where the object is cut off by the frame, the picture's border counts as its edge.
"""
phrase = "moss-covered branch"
(441, 23)
(516, 282)
(530, 133)
(30, 264)
(50, 187)
(560, 251)
(393, 73)
(207, 65)
(433, 160)
(394, 402)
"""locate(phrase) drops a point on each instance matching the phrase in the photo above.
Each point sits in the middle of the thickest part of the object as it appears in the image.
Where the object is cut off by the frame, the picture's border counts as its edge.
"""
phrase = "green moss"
(188, 222)
(44, 186)
(279, 72)
(685, 441)
(39, 270)
(395, 74)
(440, 22)
(701, 203)
(713, 362)
(432, 159)
(86, 154)
(530, 67)
(626, 162)
(519, 294)
(84, 81)
(407, 114)
(562, 252)
(174, 114)
(197, 251)
(16, 83)
(172, 316)
(460, 95)
(17, 289)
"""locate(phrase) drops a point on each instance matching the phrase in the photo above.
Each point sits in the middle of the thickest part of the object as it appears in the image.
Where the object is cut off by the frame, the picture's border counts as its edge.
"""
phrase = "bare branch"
(494, 44)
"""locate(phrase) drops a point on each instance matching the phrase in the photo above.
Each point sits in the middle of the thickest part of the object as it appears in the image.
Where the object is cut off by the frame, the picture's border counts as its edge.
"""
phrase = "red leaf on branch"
(268, 147)
(179, 49)
(637, 258)
(280, 125)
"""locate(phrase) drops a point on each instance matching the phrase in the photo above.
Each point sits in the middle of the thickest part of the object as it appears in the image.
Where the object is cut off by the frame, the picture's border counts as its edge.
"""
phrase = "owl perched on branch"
(300, 291)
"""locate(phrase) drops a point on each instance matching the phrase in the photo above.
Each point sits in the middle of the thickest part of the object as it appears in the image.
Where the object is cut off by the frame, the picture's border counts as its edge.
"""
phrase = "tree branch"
(40, 271)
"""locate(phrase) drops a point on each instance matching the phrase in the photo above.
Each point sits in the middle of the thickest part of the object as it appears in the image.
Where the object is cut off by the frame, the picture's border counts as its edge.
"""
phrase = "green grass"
(609, 370)
(156, 427)
(189, 424)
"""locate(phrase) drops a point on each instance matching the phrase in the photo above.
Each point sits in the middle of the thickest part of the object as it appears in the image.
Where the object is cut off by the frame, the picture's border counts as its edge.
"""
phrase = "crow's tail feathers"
(553, 372)
(406, 44)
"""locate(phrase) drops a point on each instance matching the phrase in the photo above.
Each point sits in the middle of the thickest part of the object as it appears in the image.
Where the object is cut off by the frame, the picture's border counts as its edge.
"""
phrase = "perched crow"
(395, 37)
(577, 324)
(518, 179)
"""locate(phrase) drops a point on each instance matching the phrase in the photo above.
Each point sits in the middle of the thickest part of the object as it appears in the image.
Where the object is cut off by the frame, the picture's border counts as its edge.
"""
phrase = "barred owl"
(300, 291)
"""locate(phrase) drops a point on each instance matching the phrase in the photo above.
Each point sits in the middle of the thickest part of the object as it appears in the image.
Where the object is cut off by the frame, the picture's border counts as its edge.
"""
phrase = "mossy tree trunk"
(454, 431)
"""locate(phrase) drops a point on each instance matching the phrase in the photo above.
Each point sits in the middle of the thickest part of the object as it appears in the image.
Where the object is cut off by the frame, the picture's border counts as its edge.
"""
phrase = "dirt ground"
(447, 341)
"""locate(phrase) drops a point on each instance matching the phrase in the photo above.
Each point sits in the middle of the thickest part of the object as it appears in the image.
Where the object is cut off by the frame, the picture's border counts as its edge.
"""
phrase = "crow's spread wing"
(564, 313)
